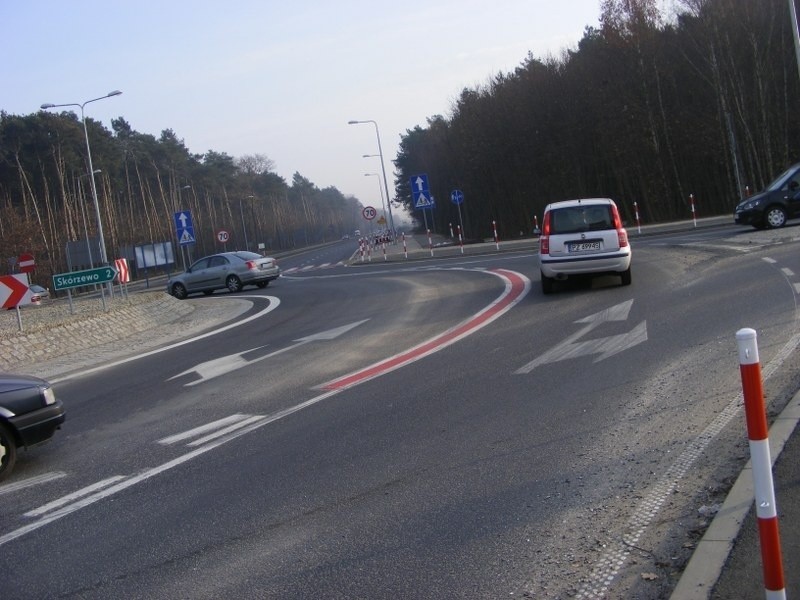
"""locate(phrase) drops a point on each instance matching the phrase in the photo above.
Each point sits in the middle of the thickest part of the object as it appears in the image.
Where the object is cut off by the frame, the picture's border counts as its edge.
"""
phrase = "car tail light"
(544, 239)
(251, 264)
(621, 233)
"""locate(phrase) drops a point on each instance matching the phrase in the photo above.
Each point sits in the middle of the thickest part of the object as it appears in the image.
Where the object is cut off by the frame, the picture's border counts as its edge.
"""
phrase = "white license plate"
(584, 246)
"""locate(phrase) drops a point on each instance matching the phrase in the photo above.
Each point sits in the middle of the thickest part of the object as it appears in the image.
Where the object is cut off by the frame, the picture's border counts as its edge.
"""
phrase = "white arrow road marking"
(605, 347)
(226, 364)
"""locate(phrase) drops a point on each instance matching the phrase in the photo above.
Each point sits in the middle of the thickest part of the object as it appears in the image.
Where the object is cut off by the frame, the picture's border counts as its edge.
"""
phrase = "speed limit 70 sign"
(222, 236)
(369, 213)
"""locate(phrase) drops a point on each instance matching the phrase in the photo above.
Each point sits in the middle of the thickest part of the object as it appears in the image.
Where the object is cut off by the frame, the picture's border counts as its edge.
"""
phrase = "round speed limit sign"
(369, 213)
(222, 236)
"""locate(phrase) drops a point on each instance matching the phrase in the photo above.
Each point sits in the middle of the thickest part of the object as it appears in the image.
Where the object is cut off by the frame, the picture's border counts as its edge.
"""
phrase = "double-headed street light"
(383, 169)
(103, 255)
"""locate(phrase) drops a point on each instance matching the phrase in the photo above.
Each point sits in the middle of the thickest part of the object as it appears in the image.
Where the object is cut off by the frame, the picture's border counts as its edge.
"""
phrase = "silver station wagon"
(226, 270)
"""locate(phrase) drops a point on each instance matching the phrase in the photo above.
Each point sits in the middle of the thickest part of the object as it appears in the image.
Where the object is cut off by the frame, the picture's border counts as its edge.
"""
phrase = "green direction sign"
(81, 278)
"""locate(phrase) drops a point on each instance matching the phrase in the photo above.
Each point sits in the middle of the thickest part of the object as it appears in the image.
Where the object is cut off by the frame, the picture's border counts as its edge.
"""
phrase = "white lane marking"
(225, 431)
(227, 364)
(487, 314)
(179, 437)
(606, 347)
(273, 304)
(607, 567)
(30, 482)
(771, 261)
(787, 271)
(58, 503)
(796, 288)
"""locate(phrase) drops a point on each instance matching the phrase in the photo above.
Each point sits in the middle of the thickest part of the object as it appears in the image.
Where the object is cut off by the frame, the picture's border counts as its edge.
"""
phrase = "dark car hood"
(9, 382)
(753, 198)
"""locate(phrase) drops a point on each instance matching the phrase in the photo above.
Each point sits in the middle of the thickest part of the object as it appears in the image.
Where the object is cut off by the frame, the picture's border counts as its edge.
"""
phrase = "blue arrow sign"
(457, 196)
(421, 192)
(184, 228)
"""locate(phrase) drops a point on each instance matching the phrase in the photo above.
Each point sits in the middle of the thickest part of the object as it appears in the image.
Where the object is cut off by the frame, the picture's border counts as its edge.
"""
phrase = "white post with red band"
(405, 248)
(494, 228)
(757, 433)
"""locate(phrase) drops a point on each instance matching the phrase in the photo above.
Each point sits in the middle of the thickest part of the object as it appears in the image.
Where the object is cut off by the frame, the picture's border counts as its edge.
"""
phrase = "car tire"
(233, 283)
(548, 283)
(179, 291)
(8, 451)
(775, 217)
(626, 276)
(262, 284)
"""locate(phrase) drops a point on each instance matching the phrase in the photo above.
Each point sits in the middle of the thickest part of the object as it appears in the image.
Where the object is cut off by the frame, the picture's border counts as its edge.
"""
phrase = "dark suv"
(771, 208)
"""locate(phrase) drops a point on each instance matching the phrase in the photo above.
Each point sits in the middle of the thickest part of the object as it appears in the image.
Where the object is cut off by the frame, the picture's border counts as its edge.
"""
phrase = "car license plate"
(584, 246)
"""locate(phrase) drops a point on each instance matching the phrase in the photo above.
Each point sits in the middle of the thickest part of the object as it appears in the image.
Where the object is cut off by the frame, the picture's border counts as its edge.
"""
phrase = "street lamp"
(244, 228)
(383, 169)
(103, 255)
(380, 189)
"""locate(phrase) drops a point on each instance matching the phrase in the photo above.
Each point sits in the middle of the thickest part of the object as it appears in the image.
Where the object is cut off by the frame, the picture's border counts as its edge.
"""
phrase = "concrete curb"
(709, 558)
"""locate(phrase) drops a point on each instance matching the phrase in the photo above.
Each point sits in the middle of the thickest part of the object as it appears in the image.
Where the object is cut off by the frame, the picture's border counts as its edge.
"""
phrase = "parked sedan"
(771, 208)
(231, 270)
(30, 413)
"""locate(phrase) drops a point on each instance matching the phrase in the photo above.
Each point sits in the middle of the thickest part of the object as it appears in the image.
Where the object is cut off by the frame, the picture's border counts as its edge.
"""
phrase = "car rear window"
(574, 219)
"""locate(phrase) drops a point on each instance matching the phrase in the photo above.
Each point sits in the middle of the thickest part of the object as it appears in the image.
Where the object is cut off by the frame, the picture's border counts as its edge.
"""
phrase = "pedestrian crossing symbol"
(186, 238)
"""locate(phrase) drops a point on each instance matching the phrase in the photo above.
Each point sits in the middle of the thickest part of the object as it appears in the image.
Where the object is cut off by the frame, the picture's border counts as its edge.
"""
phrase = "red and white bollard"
(694, 214)
(361, 249)
(496, 243)
(460, 239)
(430, 242)
(383, 247)
(405, 248)
(757, 433)
(535, 224)
(636, 212)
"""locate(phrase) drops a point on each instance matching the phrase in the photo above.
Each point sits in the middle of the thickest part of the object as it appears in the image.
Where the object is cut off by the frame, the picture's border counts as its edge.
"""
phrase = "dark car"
(30, 413)
(779, 202)
(231, 270)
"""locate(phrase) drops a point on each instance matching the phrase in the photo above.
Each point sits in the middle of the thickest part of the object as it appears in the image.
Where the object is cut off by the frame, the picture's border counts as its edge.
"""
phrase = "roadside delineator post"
(405, 248)
(460, 239)
(430, 241)
(496, 243)
(758, 436)
(694, 214)
(638, 222)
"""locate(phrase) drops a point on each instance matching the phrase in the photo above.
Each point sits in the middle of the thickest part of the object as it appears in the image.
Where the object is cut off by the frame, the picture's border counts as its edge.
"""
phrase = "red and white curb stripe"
(758, 435)
(516, 287)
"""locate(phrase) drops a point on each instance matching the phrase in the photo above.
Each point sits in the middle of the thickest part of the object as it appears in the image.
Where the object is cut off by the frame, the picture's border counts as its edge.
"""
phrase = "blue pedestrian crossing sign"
(421, 192)
(184, 228)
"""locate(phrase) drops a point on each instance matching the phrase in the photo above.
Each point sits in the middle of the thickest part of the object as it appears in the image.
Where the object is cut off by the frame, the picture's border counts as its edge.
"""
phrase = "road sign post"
(67, 281)
(63, 281)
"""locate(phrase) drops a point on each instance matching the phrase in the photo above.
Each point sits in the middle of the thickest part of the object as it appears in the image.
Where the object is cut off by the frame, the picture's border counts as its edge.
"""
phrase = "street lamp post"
(244, 227)
(380, 188)
(383, 169)
(103, 255)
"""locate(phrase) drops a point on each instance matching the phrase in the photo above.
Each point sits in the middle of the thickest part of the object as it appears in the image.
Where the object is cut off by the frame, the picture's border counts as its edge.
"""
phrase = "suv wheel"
(179, 291)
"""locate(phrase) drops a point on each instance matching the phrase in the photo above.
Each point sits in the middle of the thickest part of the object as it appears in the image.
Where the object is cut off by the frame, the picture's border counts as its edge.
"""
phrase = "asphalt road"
(420, 429)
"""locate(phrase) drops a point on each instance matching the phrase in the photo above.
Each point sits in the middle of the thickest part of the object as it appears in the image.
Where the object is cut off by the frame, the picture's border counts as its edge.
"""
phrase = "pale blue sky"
(276, 78)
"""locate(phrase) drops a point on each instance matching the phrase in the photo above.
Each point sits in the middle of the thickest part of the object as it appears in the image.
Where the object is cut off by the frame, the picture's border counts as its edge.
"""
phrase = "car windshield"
(576, 219)
(781, 179)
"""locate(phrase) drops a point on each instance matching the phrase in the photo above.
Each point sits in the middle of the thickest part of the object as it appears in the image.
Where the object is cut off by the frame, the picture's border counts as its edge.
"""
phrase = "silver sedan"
(226, 270)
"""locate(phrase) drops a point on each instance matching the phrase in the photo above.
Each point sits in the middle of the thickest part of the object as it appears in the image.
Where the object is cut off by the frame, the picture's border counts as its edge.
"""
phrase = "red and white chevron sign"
(123, 274)
(14, 290)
